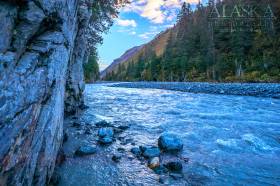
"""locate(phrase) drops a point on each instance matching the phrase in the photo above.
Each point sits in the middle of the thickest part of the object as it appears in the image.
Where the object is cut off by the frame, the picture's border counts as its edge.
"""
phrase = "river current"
(229, 140)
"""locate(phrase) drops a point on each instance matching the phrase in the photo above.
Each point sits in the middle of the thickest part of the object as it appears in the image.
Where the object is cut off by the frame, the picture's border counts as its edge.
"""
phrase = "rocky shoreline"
(163, 159)
(269, 90)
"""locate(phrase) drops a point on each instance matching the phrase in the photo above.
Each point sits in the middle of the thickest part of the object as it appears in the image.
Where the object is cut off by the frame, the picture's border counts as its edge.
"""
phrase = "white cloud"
(157, 11)
(126, 22)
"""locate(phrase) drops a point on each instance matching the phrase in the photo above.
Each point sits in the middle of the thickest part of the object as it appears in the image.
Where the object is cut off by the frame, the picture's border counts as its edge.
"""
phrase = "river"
(229, 140)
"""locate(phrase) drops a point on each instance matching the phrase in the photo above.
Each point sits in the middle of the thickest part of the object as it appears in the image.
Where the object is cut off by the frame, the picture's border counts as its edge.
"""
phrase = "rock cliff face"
(42, 49)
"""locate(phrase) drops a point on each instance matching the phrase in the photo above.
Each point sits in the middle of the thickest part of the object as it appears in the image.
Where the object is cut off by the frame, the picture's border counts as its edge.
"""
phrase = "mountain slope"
(127, 55)
(156, 46)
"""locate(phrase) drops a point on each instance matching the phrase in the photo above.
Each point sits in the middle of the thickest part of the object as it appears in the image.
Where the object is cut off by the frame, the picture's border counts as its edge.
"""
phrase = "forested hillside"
(194, 51)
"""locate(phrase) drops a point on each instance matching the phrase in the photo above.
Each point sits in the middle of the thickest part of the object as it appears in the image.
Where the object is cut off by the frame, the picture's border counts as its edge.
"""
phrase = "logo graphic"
(241, 17)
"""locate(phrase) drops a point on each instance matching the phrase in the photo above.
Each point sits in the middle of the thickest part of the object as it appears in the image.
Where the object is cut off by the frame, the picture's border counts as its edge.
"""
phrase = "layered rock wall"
(41, 55)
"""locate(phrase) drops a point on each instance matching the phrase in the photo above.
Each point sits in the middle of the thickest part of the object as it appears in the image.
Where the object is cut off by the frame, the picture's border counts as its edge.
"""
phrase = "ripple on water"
(256, 142)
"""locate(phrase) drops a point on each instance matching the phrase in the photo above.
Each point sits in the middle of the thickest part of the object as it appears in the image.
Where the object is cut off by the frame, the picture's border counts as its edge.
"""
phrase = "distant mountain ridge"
(126, 56)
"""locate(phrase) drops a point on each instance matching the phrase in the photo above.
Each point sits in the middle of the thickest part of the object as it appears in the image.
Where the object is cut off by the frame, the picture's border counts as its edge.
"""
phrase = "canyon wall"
(42, 50)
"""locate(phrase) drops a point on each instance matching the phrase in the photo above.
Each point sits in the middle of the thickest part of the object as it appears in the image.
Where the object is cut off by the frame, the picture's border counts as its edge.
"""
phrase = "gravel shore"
(271, 90)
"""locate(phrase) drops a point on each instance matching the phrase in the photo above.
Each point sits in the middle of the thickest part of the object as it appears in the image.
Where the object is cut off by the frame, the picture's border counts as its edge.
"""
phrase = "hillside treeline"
(197, 51)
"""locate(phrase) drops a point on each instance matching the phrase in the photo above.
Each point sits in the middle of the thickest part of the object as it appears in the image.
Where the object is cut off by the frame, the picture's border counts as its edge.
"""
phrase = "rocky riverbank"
(85, 140)
(242, 89)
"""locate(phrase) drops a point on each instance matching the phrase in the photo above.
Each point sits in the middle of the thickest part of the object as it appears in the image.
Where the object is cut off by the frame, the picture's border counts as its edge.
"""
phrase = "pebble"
(116, 157)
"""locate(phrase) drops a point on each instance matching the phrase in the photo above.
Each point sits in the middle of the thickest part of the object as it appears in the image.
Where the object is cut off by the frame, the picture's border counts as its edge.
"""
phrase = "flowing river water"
(229, 140)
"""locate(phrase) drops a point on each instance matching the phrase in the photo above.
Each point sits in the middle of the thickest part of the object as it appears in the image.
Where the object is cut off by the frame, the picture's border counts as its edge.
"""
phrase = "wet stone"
(116, 157)
(174, 166)
(150, 152)
(86, 150)
(170, 143)
(120, 149)
(136, 151)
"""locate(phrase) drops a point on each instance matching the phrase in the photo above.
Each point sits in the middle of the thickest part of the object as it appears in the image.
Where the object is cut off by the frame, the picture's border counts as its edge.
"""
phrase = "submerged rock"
(136, 151)
(174, 166)
(116, 158)
(170, 143)
(154, 163)
(150, 152)
(86, 150)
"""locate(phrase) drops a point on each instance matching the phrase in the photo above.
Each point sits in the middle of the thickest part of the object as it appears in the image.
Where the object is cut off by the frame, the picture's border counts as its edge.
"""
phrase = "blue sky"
(137, 24)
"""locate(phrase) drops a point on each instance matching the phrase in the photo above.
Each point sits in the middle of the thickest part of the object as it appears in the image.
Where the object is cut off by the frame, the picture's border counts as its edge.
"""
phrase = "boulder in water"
(170, 143)
(105, 135)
